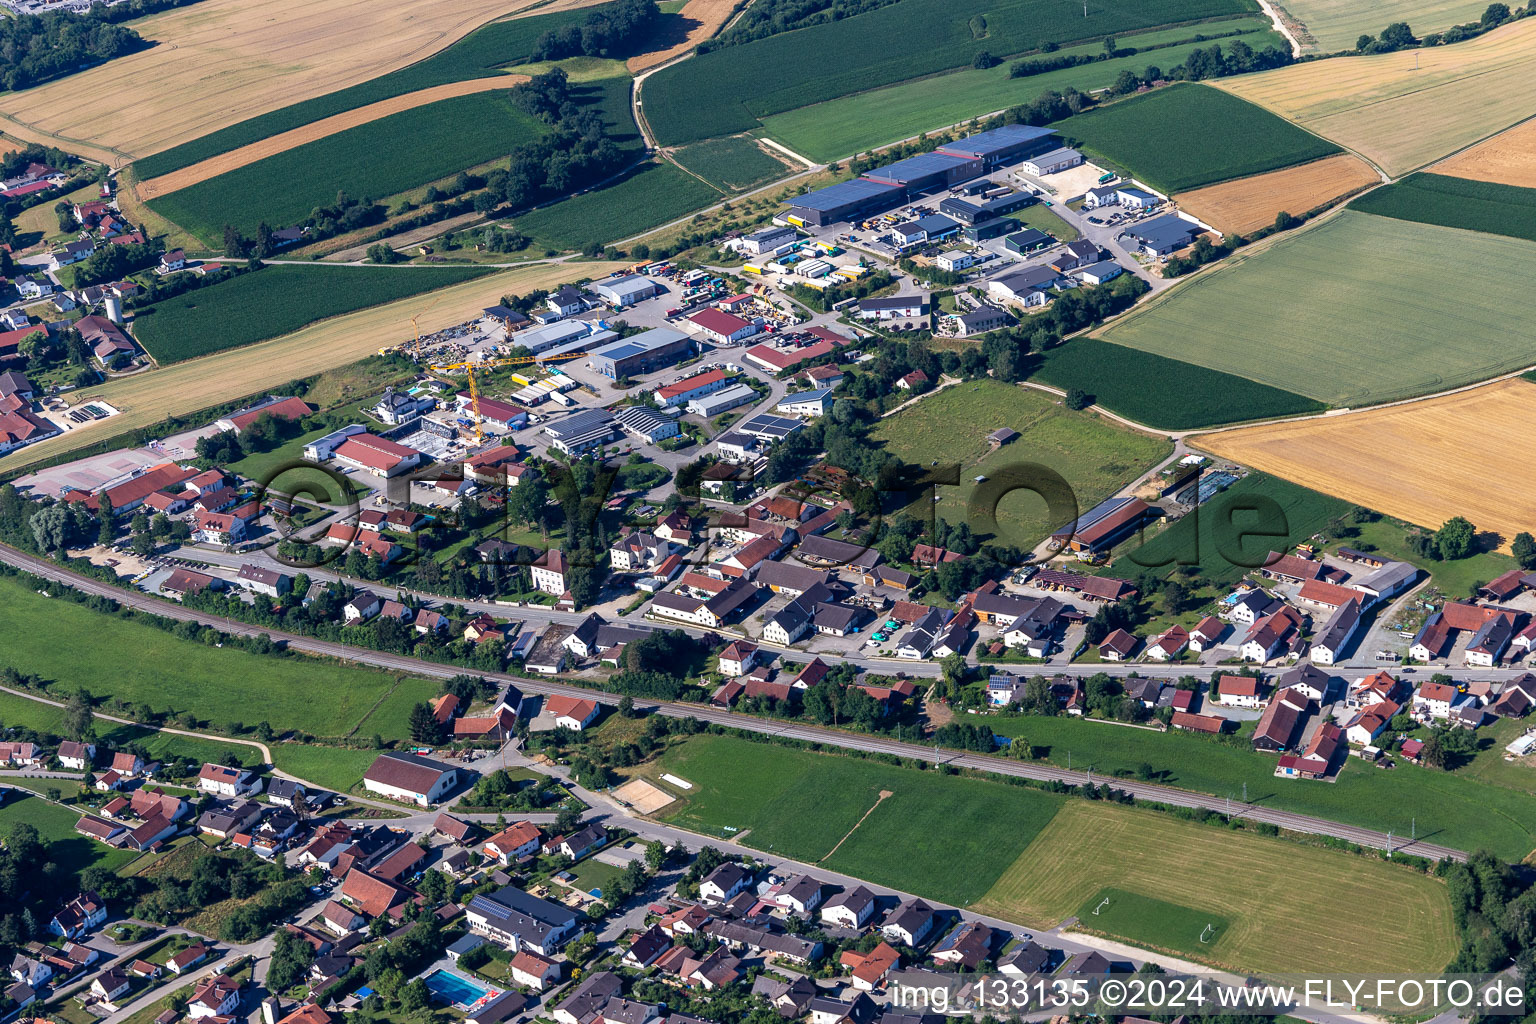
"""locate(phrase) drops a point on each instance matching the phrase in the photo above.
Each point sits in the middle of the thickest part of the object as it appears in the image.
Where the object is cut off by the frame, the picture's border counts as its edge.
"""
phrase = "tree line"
(608, 31)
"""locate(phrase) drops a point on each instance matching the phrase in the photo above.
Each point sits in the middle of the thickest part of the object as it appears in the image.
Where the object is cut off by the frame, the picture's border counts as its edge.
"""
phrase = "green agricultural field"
(1423, 308)
(1456, 203)
(377, 159)
(1162, 392)
(497, 45)
(275, 301)
(1272, 923)
(1151, 923)
(727, 90)
(735, 164)
(800, 804)
(1094, 456)
(1335, 24)
(45, 718)
(1234, 531)
(127, 659)
(1465, 809)
(650, 197)
(866, 120)
(1188, 135)
(56, 828)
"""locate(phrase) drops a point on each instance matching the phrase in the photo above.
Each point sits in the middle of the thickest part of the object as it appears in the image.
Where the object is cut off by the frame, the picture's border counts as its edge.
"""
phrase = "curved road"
(678, 709)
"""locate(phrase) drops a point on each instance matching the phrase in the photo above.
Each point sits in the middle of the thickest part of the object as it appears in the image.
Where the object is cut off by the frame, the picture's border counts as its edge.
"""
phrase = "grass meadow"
(277, 300)
(1275, 921)
(377, 159)
(652, 195)
(865, 120)
(1163, 392)
(733, 164)
(1188, 135)
(1456, 203)
(496, 45)
(727, 90)
(1423, 308)
(1092, 454)
(55, 826)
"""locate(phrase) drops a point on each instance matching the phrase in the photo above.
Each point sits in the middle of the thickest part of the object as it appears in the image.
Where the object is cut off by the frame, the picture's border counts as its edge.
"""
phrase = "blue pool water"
(453, 989)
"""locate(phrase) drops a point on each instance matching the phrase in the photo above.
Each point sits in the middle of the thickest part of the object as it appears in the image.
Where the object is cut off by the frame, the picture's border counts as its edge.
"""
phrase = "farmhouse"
(1330, 643)
(410, 778)
(1102, 527)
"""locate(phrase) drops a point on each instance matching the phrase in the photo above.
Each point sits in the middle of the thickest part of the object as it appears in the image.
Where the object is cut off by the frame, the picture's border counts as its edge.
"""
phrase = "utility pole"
(1389, 845)
(1245, 792)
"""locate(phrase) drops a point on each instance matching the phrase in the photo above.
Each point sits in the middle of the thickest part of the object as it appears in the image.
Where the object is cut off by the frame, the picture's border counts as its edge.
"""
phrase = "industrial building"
(721, 327)
(626, 290)
(991, 229)
(642, 353)
(848, 200)
(769, 427)
(927, 171)
(1053, 162)
(969, 212)
(1027, 241)
(1160, 235)
(591, 428)
(722, 401)
(542, 339)
(1005, 145)
(646, 424)
(768, 239)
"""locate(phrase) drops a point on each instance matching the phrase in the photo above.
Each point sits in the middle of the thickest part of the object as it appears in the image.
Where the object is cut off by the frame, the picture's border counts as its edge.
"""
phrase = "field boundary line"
(885, 794)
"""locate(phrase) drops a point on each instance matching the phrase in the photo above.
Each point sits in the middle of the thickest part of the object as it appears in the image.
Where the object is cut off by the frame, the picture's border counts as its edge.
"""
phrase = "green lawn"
(648, 198)
(1416, 321)
(56, 828)
(1093, 455)
(336, 768)
(1146, 921)
(945, 838)
(1041, 218)
(1233, 532)
(1185, 136)
(142, 664)
(20, 711)
(270, 470)
(1163, 392)
(733, 164)
(594, 874)
(277, 300)
(1455, 578)
(1456, 809)
(868, 119)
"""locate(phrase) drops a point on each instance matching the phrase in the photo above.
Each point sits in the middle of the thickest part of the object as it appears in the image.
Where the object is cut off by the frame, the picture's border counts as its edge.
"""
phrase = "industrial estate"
(680, 512)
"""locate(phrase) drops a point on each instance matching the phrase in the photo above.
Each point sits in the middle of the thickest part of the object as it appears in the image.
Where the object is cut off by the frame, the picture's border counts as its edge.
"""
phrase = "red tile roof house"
(1168, 646)
(1206, 633)
(1237, 691)
(513, 843)
(1117, 646)
(571, 712)
(377, 455)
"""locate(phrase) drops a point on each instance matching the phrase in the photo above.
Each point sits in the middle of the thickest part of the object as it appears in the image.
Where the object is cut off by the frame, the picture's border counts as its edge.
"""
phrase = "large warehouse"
(1005, 145)
(847, 200)
(927, 171)
(626, 290)
(649, 350)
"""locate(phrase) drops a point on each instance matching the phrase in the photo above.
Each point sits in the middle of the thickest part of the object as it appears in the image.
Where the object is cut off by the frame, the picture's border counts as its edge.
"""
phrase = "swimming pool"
(455, 988)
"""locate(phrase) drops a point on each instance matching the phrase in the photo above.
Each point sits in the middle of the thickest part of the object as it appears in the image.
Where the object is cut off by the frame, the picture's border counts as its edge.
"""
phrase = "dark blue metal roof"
(920, 166)
(835, 196)
(986, 143)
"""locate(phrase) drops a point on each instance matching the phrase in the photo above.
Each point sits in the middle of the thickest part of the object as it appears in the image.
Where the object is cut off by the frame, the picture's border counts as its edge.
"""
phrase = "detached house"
(221, 780)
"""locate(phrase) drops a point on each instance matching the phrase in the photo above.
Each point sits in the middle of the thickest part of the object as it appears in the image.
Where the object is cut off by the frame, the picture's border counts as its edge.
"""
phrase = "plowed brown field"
(219, 62)
(1411, 461)
(284, 141)
(1509, 158)
(1250, 203)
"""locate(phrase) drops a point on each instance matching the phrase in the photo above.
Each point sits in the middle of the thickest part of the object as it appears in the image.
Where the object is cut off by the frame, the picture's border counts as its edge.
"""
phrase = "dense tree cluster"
(611, 30)
(37, 47)
(115, 262)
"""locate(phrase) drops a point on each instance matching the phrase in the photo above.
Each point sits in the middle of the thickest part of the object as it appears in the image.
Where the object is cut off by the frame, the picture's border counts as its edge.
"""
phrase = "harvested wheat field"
(1508, 158)
(706, 17)
(1410, 460)
(1248, 204)
(284, 141)
(195, 384)
(219, 62)
(1404, 110)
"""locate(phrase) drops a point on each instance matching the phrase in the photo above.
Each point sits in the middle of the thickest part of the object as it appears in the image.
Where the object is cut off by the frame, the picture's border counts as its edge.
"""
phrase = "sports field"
(1162, 392)
(802, 805)
(733, 164)
(725, 91)
(294, 138)
(864, 120)
(378, 159)
(1423, 308)
(148, 398)
(1094, 455)
(1402, 460)
(1151, 922)
(1289, 908)
(1508, 158)
(277, 300)
(1184, 136)
(1335, 24)
(222, 61)
(1406, 109)
(1251, 203)
(1456, 202)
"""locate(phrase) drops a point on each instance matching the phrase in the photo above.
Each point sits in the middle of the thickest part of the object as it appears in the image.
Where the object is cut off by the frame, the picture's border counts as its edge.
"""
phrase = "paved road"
(1141, 790)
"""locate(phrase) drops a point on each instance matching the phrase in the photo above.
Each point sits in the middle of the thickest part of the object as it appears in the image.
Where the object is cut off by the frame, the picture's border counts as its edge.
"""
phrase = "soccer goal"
(1102, 904)
(1210, 931)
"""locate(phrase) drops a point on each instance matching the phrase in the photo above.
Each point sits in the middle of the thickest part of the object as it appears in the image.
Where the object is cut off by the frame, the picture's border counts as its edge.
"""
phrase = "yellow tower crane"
(488, 364)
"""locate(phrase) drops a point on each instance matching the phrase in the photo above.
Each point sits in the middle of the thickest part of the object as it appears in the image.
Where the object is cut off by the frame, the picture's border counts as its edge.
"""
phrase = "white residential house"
(222, 780)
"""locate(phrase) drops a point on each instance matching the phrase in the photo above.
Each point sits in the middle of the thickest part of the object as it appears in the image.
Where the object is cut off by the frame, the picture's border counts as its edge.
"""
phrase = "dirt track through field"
(709, 15)
(284, 141)
(1410, 461)
(1508, 158)
(1251, 203)
(150, 397)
